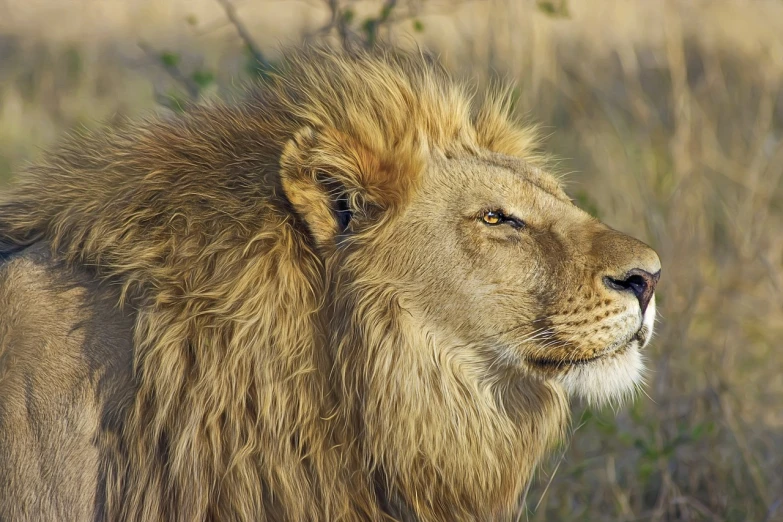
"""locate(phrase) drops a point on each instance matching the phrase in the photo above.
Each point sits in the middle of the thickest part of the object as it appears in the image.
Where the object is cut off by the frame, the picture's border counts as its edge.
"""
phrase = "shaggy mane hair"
(273, 382)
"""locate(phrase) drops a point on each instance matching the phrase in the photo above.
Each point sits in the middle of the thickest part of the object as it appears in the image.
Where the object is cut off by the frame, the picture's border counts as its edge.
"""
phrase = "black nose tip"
(637, 281)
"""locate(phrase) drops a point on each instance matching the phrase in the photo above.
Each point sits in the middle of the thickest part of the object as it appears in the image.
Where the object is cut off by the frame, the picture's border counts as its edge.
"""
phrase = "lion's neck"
(444, 437)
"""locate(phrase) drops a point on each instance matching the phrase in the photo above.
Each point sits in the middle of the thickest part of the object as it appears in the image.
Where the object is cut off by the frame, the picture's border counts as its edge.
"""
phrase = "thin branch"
(338, 21)
(386, 19)
(175, 72)
(383, 20)
(231, 14)
(388, 6)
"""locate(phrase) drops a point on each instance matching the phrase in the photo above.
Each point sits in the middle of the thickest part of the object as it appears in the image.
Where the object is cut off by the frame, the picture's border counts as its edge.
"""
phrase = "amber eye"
(492, 217)
(497, 217)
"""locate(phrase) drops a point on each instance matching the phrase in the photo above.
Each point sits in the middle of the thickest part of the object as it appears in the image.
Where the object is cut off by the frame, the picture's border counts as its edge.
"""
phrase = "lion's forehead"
(494, 175)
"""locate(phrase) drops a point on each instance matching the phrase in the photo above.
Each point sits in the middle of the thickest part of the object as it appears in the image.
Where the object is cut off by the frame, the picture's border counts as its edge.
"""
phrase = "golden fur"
(311, 320)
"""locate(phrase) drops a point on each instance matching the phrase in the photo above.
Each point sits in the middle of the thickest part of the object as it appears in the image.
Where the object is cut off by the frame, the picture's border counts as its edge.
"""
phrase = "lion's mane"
(267, 387)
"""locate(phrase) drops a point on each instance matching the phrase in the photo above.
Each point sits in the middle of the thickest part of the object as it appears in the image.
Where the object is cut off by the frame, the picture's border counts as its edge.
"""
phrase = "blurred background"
(666, 116)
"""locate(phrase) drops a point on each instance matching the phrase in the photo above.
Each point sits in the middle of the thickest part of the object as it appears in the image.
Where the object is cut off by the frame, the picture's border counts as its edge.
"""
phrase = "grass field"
(668, 119)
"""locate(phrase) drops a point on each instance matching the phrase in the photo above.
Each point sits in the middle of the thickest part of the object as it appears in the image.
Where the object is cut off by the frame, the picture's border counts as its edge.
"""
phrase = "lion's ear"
(308, 190)
(330, 179)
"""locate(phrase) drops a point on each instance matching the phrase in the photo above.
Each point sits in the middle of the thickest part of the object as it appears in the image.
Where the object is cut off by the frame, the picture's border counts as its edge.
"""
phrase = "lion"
(356, 293)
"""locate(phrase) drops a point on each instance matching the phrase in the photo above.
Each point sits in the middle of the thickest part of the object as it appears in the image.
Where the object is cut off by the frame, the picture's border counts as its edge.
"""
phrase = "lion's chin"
(611, 379)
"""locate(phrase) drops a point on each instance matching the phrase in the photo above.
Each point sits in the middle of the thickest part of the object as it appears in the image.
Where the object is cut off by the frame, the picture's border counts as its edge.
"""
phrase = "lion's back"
(65, 377)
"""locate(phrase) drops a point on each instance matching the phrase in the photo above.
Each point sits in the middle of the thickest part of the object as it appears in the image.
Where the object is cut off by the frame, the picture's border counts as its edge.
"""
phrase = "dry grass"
(669, 115)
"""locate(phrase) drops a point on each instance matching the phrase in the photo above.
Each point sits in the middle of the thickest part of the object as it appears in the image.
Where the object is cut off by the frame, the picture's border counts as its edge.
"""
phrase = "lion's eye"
(492, 217)
(497, 217)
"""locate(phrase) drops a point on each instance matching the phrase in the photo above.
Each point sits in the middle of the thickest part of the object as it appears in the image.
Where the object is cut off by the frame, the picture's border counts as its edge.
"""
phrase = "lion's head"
(359, 286)
(444, 205)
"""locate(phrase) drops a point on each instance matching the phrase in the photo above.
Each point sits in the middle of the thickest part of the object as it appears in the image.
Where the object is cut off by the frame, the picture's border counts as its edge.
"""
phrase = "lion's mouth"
(544, 364)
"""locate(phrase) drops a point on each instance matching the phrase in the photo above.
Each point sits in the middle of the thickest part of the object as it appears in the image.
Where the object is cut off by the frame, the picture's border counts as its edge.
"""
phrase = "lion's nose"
(637, 281)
